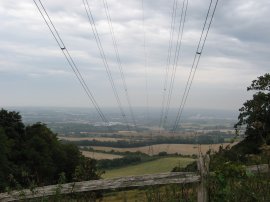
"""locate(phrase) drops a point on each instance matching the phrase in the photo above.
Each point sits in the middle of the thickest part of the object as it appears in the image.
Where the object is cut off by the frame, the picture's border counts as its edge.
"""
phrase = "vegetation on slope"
(230, 180)
(32, 155)
(255, 117)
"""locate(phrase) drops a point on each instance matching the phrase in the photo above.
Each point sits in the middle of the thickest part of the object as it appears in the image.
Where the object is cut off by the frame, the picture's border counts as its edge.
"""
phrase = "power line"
(68, 57)
(145, 64)
(176, 57)
(196, 60)
(119, 60)
(150, 149)
(168, 62)
(104, 59)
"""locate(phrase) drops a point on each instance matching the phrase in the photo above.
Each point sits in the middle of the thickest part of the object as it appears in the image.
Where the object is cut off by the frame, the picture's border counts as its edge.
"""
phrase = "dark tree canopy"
(255, 113)
(33, 154)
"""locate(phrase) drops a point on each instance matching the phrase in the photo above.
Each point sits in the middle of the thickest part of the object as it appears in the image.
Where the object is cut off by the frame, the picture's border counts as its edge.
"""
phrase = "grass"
(163, 193)
(130, 195)
(151, 167)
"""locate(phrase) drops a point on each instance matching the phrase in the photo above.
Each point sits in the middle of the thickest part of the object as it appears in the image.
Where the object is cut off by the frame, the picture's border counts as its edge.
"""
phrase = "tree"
(11, 122)
(33, 154)
(4, 167)
(87, 170)
(255, 115)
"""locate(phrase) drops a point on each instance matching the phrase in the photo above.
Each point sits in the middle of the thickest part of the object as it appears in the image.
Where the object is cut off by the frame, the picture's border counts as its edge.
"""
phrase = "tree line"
(202, 139)
(79, 128)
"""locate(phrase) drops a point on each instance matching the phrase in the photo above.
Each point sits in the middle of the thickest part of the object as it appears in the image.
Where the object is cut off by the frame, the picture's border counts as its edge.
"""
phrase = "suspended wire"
(145, 64)
(104, 59)
(173, 16)
(176, 58)
(119, 61)
(150, 149)
(195, 63)
(192, 73)
(69, 59)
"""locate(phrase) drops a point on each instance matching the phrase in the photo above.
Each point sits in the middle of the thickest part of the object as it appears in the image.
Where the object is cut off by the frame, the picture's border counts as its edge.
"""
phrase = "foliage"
(255, 115)
(3, 158)
(191, 167)
(33, 155)
(128, 159)
(163, 153)
(231, 182)
(87, 170)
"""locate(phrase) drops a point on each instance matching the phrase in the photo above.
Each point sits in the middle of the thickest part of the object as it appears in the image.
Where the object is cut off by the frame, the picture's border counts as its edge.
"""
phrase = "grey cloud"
(236, 51)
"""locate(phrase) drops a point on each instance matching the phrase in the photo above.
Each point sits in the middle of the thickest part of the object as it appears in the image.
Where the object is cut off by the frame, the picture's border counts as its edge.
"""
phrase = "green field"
(151, 167)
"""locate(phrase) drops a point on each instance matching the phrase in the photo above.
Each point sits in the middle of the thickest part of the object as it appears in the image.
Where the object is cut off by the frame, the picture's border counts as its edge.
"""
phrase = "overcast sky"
(34, 72)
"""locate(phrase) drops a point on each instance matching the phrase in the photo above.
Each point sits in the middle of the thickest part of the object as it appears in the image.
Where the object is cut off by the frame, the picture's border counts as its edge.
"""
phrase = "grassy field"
(151, 167)
(186, 149)
(99, 156)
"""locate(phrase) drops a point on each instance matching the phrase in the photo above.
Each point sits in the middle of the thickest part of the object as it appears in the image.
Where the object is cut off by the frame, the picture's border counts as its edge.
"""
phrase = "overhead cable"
(104, 59)
(145, 64)
(207, 23)
(168, 61)
(109, 20)
(150, 148)
(68, 57)
(176, 58)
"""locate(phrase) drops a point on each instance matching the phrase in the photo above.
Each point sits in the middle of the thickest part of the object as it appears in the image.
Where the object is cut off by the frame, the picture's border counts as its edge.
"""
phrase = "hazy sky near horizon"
(34, 72)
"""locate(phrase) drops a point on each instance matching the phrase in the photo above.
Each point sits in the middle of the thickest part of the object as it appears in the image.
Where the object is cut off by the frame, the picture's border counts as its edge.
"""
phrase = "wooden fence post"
(203, 167)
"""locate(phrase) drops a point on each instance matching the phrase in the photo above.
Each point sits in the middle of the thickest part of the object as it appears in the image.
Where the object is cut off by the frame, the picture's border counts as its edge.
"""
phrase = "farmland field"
(99, 156)
(151, 167)
(185, 149)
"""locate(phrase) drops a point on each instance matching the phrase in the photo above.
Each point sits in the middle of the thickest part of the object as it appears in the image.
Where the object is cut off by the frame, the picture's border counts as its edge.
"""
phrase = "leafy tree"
(4, 149)
(33, 154)
(255, 115)
(87, 170)
(38, 152)
(72, 161)
(11, 123)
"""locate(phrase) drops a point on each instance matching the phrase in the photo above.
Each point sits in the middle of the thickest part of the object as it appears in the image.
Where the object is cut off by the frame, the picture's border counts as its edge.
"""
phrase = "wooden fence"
(93, 185)
(125, 182)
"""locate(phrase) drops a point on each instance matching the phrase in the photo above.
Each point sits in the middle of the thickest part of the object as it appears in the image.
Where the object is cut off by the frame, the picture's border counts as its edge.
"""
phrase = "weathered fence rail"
(125, 182)
(93, 185)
